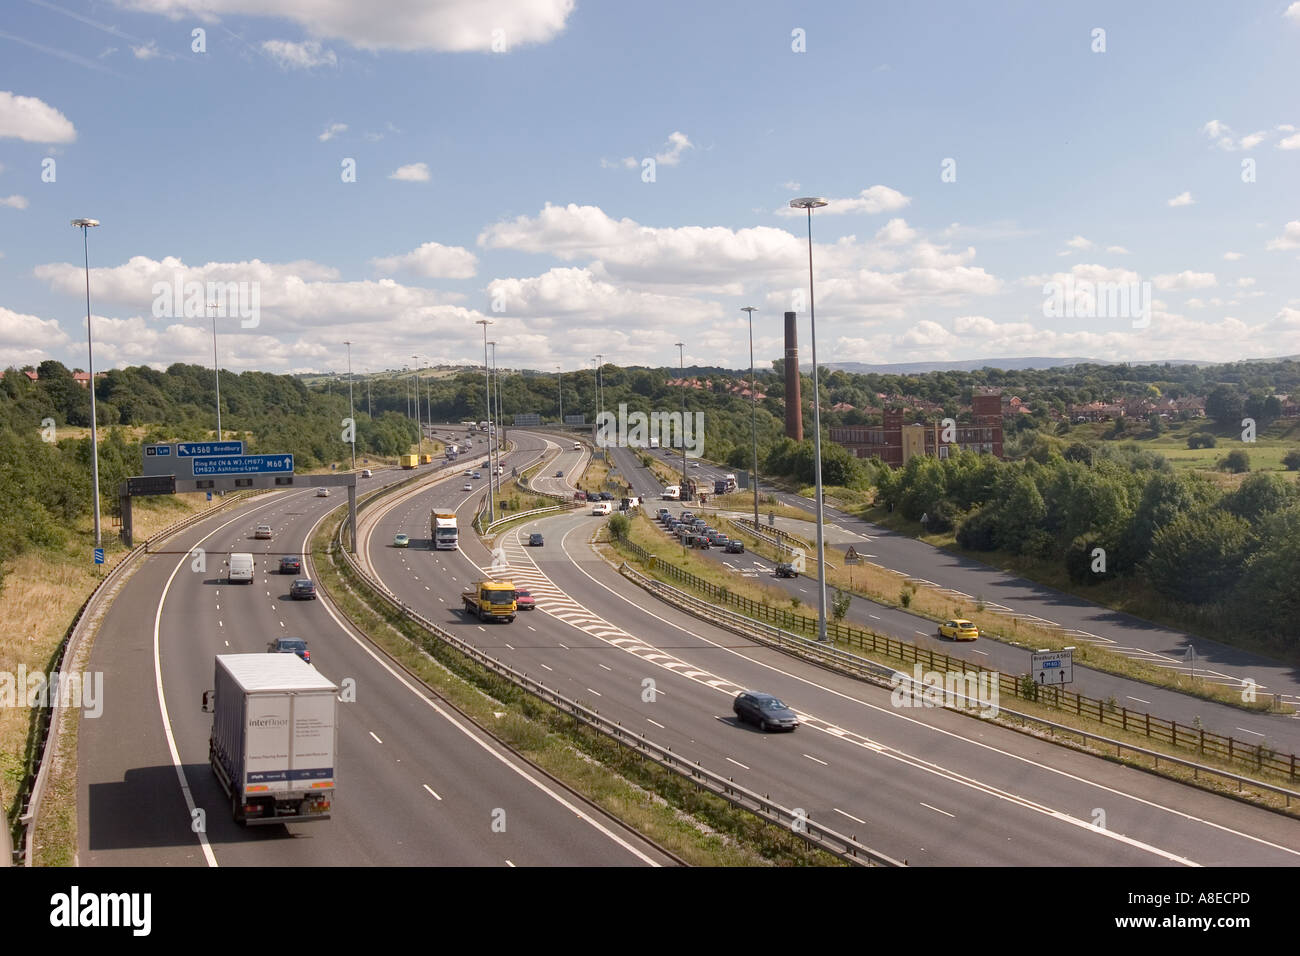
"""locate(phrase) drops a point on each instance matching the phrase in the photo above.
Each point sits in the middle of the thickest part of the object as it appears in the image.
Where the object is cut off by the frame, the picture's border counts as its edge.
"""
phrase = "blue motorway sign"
(243, 465)
(157, 451)
(99, 555)
(195, 449)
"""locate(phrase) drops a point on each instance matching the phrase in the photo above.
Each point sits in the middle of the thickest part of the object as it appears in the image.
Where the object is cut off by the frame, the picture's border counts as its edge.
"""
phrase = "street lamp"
(496, 380)
(487, 382)
(753, 406)
(216, 373)
(419, 424)
(351, 414)
(600, 398)
(84, 225)
(559, 380)
(810, 203)
(681, 432)
(369, 414)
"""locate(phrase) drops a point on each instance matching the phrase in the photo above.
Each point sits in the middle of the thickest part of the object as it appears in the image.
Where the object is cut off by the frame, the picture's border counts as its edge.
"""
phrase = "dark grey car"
(768, 712)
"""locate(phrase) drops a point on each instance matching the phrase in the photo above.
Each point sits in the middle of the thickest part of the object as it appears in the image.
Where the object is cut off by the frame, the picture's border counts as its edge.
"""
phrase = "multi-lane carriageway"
(417, 783)
(929, 786)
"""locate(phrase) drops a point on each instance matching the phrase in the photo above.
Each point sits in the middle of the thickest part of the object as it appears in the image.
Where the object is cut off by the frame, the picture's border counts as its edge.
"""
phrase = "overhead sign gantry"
(220, 466)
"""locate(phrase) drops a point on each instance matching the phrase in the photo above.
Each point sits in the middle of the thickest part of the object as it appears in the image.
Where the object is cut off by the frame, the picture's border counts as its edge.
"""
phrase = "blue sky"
(508, 184)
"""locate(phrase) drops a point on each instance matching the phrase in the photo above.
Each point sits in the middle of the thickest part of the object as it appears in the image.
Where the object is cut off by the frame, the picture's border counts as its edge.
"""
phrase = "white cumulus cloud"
(33, 120)
(1182, 199)
(872, 200)
(411, 173)
(299, 56)
(331, 131)
(433, 260)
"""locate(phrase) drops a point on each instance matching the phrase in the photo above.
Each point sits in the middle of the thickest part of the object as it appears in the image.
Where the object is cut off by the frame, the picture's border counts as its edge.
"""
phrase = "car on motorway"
(290, 645)
(477, 474)
(559, 474)
(702, 542)
(535, 540)
(688, 516)
(601, 508)
(695, 464)
(367, 473)
(262, 531)
(959, 630)
(734, 546)
(717, 537)
(579, 496)
(322, 492)
(401, 540)
(524, 600)
(485, 464)
(302, 589)
(290, 565)
(467, 487)
(240, 568)
(786, 570)
(768, 712)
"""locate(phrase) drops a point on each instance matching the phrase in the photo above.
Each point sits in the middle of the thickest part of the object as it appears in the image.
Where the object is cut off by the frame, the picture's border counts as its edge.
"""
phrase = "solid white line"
(548, 667)
(377, 740)
(1245, 731)
(874, 617)
(657, 724)
(430, 789)
(1138, 699)
(815, 760)
(937, 810)
(849, 815)
(596, 692)
(738, 764)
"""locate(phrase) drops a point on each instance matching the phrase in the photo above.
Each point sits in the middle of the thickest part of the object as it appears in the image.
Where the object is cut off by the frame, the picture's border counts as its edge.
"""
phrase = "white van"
(602, 508)
(671, 493)
(240, 568)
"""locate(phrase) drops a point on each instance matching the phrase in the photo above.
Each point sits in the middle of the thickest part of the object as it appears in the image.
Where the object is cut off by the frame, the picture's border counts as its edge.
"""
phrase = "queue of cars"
(695, 532)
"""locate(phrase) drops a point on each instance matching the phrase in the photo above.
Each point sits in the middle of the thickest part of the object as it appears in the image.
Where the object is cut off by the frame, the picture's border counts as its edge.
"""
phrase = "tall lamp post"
(810, 203)
(415, 393)
(352, 414)
(559, 380)
(681, 362)
(84, 225)
(753, 407)
(487, 382)
(369, 414)
(216, 374)
(495, 388)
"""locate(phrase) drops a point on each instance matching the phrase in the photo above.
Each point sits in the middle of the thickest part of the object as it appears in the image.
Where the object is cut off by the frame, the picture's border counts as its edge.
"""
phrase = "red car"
(579, 496)
(524, 600)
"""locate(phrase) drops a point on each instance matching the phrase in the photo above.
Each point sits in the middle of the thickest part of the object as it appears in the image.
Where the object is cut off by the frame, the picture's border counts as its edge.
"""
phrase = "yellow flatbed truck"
(491, 600)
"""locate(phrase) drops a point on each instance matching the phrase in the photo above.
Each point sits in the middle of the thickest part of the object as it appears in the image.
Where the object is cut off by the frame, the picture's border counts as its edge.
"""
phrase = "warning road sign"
(851, 555)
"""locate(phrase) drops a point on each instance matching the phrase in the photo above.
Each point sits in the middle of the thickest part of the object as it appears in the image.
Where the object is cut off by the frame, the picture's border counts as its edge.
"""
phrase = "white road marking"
(815, 760)
(563, 645)
(874, 617)
(849, 815)
(549, 668)
(608, 668)
(738, 764)
(509, 645)
(937, 810)
(596, 692)
(1245, 731)
(377, 740)
(431, 790)
(657, 724)
(1138, 699)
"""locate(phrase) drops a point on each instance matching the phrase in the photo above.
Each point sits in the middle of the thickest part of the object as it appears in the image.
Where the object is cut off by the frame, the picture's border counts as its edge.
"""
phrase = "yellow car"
(959, 631)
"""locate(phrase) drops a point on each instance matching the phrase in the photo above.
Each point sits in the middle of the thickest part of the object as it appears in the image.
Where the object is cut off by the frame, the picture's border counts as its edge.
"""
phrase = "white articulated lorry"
(274, 736)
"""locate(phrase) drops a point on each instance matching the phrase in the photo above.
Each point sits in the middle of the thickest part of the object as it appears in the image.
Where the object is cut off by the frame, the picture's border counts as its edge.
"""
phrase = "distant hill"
(920, 368)
(1007, 364)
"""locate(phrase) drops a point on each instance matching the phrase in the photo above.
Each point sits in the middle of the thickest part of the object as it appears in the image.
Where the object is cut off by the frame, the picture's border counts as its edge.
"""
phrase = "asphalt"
(922, 784)
(417, 785)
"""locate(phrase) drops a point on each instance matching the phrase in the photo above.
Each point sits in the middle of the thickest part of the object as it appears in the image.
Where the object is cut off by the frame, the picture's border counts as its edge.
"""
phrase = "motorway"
(1278, 731)
(926, 785)
(417, 783)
